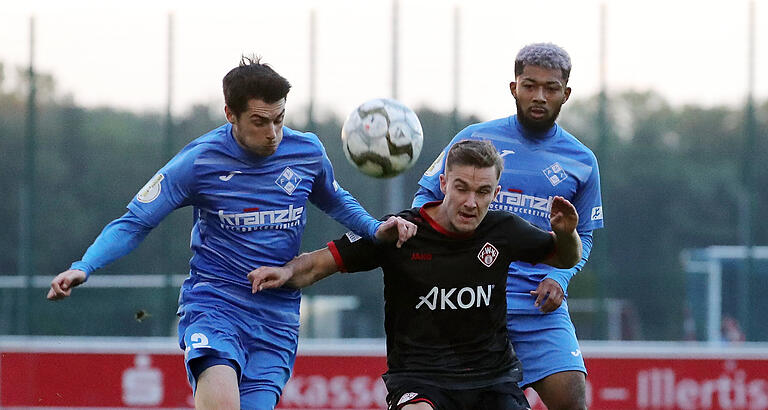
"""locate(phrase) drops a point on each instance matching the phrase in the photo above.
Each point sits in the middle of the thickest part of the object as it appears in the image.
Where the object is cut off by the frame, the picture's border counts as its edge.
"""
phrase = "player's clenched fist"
(62, 284)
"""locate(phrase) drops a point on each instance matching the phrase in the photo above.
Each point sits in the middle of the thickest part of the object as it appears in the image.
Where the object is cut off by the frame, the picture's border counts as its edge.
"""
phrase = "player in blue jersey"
(249, 183)
(541, 161)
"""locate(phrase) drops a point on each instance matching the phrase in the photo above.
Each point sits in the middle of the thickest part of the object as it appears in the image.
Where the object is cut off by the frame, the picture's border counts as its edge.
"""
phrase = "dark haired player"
(445, 310)
(249, 182)
(541, 161)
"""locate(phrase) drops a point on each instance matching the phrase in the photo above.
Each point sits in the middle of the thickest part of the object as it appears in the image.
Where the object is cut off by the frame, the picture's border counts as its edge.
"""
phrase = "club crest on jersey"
(288, 180)
(555, 173)
(151, 190)
(488, 254)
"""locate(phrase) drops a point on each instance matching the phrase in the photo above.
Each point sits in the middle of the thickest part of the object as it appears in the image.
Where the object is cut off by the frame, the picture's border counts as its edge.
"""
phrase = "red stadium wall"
(345, 375)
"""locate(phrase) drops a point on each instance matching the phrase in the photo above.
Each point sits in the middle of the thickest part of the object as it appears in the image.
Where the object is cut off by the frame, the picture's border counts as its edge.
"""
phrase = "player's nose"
(471, 201)
(272, 133)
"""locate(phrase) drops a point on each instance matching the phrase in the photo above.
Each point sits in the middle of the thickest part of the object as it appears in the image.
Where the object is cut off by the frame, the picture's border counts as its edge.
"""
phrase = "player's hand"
(268, 277)
(396, 229)
(563, 216)
(549, 295)
(62, 284)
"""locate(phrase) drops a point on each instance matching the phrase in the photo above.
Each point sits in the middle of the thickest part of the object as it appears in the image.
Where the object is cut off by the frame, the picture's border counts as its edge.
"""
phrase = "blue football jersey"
(537, 167)
(249, 211)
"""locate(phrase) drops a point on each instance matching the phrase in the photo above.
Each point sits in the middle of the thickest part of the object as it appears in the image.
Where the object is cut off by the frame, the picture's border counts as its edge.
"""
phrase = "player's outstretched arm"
(564, 219)
(300, 272)
(397, 229)
(62, 284)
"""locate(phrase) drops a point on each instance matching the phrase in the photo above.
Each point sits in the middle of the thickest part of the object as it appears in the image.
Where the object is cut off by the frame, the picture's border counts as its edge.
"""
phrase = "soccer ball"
(382, 137)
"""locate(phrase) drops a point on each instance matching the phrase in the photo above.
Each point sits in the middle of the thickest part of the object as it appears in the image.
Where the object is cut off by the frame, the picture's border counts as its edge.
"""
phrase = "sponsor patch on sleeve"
(597, 213)
(407, 397)
(353, 237)
(436, 166)
(151, 190)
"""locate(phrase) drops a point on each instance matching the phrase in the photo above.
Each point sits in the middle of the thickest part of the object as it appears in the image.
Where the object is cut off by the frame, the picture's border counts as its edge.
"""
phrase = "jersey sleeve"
(528, 242)
(353, 253)
(588, 201)
(563, 276)
(339, 204)
(429, 184)
(117, 239)
(170, 188)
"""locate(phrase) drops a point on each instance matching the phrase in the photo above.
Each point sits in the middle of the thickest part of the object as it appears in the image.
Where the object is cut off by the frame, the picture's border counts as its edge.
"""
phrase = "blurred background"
(672, 97)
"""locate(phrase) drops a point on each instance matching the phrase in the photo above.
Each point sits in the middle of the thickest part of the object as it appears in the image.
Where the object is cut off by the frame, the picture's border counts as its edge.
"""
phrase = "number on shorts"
(199, 340)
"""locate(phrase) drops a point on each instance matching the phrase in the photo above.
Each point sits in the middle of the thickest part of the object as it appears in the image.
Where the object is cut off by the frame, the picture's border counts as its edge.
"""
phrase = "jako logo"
(465, 298)
(229, 176)
(421, 256)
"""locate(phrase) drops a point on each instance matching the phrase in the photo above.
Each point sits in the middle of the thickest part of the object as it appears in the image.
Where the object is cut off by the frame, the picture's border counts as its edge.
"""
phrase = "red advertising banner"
(334, 376)
(29, 379)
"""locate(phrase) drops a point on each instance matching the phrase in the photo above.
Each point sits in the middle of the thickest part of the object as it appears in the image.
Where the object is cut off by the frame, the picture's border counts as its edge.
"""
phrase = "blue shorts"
(264, 351)
(544, 343)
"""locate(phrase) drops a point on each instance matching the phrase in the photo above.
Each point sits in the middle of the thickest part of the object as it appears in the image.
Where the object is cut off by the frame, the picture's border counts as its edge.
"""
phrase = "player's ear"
(443, 183)
(567, 94)
(231, 117)
(513, 88)
(496, 192)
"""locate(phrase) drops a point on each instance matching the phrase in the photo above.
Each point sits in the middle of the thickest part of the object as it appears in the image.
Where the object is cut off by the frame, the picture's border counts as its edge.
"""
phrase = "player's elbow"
(570, 259)
(295, 284)
(568, 251)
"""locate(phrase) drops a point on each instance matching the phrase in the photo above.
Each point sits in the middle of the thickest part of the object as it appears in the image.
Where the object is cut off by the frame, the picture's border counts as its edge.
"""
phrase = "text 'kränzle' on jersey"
(261, 219)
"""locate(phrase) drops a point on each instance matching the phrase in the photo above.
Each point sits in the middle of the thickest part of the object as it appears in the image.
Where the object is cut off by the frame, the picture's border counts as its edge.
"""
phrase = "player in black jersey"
(444, 289)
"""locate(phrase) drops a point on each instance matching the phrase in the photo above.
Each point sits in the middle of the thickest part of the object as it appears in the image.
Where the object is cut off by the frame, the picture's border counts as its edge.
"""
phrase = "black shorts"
(504, 396)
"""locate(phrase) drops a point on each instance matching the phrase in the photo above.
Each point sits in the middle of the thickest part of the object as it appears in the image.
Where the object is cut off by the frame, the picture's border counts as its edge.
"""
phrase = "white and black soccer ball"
(382, 137)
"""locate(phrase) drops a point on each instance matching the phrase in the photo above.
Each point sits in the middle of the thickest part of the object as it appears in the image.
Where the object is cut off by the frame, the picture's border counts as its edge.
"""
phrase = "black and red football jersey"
(445, 303)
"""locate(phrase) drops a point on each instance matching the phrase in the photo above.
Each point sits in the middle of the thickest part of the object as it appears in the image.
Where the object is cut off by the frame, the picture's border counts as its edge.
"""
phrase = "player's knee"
(568, 403)
(568, 399)
(563, 401)
(563, 391)
(214, 400)
(217, 388)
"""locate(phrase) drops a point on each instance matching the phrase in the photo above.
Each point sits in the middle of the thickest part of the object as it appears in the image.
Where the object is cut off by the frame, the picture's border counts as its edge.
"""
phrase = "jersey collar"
(242, 154)
(530, 135)
(436, 226)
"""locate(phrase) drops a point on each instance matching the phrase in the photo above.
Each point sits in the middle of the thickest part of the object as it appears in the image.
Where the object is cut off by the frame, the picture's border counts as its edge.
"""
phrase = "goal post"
(718, 281)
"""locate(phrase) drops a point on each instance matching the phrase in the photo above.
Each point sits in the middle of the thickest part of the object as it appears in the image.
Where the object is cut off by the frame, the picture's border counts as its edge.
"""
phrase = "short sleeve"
(354, 253)
(528, 243)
